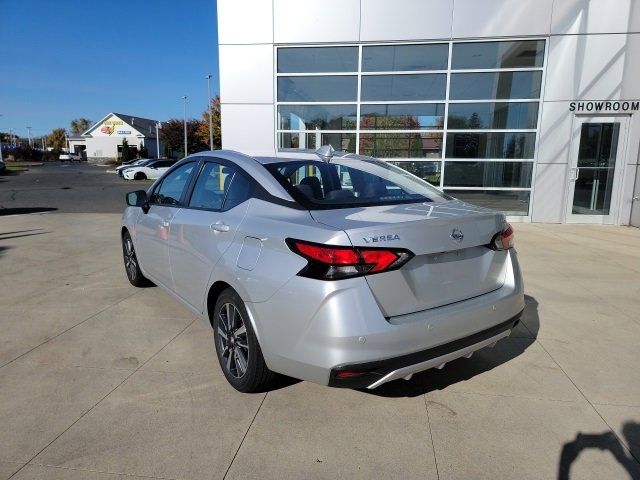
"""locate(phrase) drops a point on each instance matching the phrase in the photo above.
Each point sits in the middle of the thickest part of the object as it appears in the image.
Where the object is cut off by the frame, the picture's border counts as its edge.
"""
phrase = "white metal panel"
(245, 21)
(248, 128)
(595, 16)
(593, 67)
(549, 189)
(247, 73)
(316, 21)
(554, 140)
(406, 19)
(631, 69)
(486, 18)
(627, 194)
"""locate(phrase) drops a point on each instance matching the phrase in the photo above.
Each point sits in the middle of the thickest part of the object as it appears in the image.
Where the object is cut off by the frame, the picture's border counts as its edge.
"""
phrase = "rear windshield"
(345, 183)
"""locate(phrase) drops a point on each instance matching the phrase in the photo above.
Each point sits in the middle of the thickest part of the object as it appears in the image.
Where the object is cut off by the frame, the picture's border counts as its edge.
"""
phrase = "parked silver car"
(334, 268)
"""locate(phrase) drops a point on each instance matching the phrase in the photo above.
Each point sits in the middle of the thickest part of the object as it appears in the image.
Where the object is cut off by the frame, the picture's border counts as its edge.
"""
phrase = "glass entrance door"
(596, 169)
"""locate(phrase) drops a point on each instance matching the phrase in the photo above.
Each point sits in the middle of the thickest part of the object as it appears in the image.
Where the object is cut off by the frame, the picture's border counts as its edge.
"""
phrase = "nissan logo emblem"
(457, 235)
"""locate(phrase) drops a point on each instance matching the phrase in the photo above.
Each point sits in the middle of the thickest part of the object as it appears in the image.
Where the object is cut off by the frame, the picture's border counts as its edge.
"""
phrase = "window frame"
(447, 101)
(158, 184)
(225, 163)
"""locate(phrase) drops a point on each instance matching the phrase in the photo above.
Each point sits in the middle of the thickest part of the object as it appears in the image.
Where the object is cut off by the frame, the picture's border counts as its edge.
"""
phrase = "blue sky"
(63, 59)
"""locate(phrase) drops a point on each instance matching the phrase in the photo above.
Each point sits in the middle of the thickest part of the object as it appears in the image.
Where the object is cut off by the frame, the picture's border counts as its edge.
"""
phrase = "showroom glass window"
(462, 115)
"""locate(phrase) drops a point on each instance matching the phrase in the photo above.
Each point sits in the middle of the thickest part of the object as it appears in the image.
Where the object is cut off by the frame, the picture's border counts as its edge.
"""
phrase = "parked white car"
(70, 157)
(133, 163)
(152, 170)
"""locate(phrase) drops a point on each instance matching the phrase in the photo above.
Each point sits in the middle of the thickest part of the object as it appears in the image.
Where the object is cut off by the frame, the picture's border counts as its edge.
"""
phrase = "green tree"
(124, 156)
(143, 152)
(80, 125)
(57, 139)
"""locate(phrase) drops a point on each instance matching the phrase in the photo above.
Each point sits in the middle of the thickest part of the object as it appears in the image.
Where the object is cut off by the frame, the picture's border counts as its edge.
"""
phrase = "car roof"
(304, 154)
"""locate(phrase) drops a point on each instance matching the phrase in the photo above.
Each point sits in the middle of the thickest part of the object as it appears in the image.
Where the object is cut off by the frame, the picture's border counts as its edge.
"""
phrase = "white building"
(104, 139)
(527, 106)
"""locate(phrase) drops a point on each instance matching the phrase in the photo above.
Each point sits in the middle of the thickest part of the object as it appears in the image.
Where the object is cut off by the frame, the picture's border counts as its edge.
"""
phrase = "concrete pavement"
(100, 380)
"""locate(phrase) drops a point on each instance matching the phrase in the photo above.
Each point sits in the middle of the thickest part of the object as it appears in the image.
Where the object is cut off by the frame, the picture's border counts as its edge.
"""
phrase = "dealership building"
(531, 107)
(104, 140)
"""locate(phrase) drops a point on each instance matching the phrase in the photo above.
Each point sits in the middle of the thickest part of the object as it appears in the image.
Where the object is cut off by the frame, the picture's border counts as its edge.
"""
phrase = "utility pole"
(185, 124)
(1, 144)
(208, 77)
(29, 135)
(158, 126)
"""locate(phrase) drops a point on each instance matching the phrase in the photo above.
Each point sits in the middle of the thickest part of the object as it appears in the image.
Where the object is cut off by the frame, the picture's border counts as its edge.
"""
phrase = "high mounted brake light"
(503, 240)
(328, 262)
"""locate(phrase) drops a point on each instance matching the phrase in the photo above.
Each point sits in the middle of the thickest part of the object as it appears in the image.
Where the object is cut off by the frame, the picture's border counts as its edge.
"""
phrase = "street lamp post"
(29, 135)
(1, 144)
(158, 126)
(208, 77)
(185, 124)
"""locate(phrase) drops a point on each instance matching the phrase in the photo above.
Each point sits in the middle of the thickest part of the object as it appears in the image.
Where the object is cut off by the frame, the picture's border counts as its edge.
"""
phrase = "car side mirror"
(138, 199)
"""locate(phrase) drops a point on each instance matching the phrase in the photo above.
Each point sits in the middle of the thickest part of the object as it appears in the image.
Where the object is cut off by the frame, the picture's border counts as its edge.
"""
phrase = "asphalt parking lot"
(99, 380)
(64, 188)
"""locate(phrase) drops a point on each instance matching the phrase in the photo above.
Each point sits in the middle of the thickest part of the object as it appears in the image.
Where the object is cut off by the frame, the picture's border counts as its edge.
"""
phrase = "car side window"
(170, 190)
(239, 190)
(218, 187)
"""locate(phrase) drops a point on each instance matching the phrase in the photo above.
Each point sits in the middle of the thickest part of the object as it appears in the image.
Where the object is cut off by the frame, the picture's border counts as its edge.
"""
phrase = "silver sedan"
(334, 268)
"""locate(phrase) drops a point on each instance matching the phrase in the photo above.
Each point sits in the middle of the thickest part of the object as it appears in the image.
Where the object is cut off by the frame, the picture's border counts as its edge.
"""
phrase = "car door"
(152, 227)
(203, 230)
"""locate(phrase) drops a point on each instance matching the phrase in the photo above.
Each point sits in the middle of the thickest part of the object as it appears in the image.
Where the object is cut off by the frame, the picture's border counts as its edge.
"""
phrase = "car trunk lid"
(449, 240)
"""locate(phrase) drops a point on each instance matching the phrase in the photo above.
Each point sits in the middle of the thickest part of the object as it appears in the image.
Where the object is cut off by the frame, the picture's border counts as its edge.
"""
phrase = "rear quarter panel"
(269, 224)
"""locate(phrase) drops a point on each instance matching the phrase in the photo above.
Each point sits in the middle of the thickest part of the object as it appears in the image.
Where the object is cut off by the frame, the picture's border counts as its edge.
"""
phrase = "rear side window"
(345, 183)
(219, 187)
(172, 187)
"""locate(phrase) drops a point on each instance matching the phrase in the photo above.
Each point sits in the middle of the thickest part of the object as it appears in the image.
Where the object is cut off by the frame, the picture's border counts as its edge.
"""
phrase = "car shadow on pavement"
(602, 441)
(463, 369)
(21, 233)
(22, 211)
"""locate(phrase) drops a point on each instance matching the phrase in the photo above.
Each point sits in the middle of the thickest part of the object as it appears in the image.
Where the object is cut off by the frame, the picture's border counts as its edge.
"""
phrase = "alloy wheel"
(232, 338)
(130, 261)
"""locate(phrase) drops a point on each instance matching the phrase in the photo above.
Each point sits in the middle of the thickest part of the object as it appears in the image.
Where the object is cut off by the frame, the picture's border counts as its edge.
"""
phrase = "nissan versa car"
(334, 268)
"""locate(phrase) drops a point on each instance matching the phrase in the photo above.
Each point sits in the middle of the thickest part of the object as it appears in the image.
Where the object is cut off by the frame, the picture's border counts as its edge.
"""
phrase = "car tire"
(131, 265)
(140, 176)
(237, 347)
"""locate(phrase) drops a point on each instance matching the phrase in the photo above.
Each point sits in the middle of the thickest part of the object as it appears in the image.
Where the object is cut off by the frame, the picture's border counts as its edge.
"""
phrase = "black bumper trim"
(374, 371)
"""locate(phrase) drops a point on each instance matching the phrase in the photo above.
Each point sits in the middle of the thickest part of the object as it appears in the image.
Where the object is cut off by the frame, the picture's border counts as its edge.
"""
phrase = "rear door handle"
(220, 227)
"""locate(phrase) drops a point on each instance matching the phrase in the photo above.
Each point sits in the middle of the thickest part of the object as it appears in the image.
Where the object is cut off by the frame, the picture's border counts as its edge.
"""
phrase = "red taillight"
(503, 240)
(327, 262)
(381, 259)
(332, 255)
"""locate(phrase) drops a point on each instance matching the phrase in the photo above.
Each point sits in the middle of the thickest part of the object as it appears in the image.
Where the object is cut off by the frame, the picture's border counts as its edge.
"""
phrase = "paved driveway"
(98, 378)
(64, 187)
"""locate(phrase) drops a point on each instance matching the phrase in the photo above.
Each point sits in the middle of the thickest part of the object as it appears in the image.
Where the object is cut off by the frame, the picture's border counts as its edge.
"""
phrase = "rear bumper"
(373, 374)
(311, 330)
